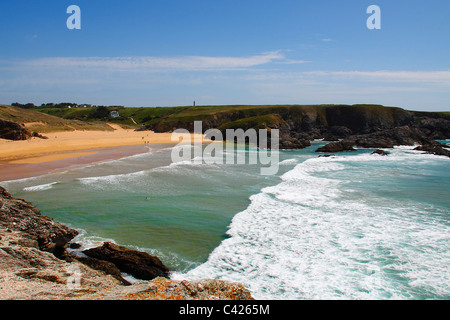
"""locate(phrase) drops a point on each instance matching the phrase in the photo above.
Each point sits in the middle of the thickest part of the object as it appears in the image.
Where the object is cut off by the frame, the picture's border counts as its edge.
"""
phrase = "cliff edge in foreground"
(34, 264)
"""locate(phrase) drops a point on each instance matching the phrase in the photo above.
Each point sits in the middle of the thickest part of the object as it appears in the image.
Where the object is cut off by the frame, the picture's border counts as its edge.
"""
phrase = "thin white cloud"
(182, 63)
(270, 77)
(289, 61)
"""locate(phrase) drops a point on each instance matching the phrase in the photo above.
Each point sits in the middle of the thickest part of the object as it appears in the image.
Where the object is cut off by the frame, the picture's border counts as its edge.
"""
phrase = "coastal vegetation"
(184, 115)
(45, 123)
(369, 126)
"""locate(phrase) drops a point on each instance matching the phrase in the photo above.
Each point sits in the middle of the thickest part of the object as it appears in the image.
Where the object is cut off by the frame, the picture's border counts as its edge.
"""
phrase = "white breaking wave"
(310, 238)
(288, 162)
(41, 187)
(87, 241)
(111, 179)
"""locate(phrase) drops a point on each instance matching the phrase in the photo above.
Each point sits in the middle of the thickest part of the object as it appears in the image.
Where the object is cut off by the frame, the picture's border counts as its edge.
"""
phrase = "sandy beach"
(19, 159)
(38, 150)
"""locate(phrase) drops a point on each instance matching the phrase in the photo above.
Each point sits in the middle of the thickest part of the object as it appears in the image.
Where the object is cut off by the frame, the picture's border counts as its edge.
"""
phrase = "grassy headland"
(167, 118)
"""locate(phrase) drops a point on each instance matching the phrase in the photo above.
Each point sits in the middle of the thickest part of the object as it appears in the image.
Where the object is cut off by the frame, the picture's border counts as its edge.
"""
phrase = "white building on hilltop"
(114, 114)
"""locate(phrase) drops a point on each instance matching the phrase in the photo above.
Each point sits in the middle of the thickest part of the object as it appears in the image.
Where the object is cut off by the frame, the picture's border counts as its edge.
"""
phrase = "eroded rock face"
(139, 264)
(20, 215)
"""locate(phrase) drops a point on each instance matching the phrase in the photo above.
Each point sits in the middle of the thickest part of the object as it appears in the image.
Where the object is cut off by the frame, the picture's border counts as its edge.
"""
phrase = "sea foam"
(312, 237)
(41, 187)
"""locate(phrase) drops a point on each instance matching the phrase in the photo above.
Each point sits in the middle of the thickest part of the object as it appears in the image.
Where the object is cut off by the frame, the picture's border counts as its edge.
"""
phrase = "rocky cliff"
(34, 264)
(361, 125)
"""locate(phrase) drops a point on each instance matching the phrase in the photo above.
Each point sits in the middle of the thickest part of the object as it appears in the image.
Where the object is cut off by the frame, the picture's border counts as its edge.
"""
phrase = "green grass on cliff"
(225, 116)
(261, 116)
(45, 123)
(258, 122)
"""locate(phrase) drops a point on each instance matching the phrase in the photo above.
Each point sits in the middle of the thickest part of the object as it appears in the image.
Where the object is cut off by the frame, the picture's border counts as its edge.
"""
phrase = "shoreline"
(70, 160)
(71, 141)
(62, 150)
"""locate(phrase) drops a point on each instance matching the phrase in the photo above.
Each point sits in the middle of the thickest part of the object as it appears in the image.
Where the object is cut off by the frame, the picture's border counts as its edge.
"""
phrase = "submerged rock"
(326, 155)
(434, 148)
(380, 152)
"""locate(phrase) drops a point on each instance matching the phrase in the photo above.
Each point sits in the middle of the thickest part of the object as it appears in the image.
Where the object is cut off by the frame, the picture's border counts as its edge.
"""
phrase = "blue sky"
(167, 52)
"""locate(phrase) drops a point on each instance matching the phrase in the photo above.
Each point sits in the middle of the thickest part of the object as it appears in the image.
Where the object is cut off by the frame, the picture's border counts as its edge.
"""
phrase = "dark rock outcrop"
(337, 132)
(294, 141)
(434, 127)
(336, 147)
(434, 148)
(14, 131)
(139, 264)
(404, 135)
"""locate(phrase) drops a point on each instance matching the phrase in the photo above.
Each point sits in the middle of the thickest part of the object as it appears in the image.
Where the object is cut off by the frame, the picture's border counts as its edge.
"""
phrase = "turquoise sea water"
(353, 226)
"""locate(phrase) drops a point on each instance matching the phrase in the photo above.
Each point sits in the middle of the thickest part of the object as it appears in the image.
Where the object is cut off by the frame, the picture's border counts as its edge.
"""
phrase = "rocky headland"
(344, 126)
(36, 265)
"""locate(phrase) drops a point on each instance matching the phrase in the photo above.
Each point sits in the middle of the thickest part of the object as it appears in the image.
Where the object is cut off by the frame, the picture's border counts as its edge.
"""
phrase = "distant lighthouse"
(194, 103)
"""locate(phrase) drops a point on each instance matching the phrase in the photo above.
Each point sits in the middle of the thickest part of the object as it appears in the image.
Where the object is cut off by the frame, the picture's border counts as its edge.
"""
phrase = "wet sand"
(66, 142)
(16, 170)
(23, 159)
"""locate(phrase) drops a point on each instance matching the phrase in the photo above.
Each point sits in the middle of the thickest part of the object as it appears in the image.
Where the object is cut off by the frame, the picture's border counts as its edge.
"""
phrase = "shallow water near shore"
(354, 226)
